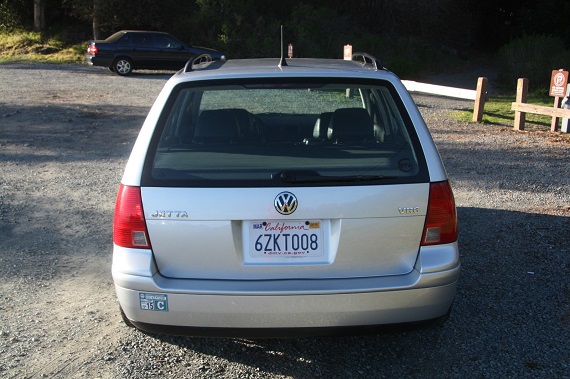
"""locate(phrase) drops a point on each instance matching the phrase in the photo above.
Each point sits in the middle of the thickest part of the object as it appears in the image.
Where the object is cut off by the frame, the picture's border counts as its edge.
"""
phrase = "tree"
(96, 26)
(39, 15)
(9, 17)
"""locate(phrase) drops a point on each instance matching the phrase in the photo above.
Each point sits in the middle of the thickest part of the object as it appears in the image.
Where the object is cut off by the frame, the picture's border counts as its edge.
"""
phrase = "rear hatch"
(285, 178)
(238, 233)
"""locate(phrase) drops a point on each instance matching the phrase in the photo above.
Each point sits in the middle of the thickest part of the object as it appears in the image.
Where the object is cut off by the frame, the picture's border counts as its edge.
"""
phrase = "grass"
(498, 110)
(29, 46)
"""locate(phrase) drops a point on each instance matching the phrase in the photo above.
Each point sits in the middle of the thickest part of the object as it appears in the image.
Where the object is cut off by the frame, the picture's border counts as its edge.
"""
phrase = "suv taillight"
(92, 49)
(441, 220)
(129, 226)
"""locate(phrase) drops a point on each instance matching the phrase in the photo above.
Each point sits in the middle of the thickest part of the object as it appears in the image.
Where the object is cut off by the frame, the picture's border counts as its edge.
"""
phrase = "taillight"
(92, 49)
(129, 226)
(441, 220)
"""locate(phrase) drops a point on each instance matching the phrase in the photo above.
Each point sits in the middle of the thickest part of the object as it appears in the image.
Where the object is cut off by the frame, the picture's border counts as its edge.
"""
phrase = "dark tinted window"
(163, 41)
(326, 132)
(125, 41)
(141, 39)
(115, 37)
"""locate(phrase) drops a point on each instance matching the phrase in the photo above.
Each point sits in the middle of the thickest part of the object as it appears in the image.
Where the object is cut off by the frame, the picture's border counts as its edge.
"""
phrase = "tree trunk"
(96, 27)
(39, 15)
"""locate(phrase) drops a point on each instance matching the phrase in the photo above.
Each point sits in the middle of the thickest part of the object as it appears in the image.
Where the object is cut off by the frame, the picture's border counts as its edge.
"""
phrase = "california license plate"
(285, 239)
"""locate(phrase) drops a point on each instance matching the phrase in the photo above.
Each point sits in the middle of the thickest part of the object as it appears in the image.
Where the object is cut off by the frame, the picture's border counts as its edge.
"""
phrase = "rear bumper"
(93, 60)
(282, 316)
(279, 307)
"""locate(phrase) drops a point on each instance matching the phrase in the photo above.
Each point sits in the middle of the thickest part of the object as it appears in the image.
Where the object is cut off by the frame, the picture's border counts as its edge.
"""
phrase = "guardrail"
(479, 95)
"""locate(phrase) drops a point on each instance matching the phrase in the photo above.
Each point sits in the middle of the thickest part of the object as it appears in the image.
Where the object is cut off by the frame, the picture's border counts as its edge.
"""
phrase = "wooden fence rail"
(521, 108)
(542, 110)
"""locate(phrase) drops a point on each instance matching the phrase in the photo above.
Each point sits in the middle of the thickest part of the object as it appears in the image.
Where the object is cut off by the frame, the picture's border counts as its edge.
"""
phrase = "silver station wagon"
(268, 198)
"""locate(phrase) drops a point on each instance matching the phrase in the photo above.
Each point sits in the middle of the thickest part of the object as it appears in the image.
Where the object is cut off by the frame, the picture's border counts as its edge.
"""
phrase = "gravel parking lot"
(65, 135)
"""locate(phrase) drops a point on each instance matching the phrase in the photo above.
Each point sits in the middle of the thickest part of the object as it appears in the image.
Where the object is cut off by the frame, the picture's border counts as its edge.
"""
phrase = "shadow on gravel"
(86, 69)
(42, 66)
(67, 133)
(510, 317)
(459, 107)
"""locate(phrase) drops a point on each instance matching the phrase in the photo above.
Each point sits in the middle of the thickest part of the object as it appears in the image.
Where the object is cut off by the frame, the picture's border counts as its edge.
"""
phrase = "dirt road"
(65, 135)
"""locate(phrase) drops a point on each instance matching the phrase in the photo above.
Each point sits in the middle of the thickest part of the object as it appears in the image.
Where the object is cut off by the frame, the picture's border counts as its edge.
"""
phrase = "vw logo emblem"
(286, 203)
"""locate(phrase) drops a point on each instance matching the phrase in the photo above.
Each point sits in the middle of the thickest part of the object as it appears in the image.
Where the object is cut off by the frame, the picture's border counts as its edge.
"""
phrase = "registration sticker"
(153, 301)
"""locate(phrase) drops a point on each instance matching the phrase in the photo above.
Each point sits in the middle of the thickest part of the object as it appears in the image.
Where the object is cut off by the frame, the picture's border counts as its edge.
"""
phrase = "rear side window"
(284, 133)
(125, 41)
(141, 40)
(163, 41)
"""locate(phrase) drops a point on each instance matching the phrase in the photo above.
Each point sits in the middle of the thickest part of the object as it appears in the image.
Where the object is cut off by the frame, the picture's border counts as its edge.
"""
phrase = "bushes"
(533, 57)
(20, 42)
(409, 57)
(33, 46)
(8, 18)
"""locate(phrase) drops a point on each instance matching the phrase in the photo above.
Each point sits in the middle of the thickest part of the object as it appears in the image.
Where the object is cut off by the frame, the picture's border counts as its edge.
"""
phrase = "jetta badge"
(286, 203)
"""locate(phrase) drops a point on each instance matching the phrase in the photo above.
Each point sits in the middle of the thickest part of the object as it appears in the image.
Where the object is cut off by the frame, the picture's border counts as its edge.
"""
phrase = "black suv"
(130, 50)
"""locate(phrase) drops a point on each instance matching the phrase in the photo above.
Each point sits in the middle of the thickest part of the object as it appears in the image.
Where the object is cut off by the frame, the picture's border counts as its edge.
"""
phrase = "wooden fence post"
(522, 93)
(554, 124)
(480, 99)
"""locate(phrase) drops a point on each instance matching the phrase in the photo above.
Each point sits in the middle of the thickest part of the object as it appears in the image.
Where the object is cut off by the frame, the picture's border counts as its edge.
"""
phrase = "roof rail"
(367, 59)
(199, 61)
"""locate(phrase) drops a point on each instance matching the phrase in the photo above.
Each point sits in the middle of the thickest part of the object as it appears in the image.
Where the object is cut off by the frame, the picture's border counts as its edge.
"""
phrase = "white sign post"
(566, 105)
(347, 52)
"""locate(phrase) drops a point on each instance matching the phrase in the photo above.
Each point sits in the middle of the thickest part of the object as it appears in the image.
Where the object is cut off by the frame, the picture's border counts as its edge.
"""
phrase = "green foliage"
(33, 46)
(408, 57)
(533, 57)
(314, 33)
(410, 37)
(20, 41)
(9, 18)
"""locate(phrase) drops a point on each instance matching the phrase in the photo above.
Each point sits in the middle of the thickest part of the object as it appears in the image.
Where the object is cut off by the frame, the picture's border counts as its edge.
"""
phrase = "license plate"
(285, 239)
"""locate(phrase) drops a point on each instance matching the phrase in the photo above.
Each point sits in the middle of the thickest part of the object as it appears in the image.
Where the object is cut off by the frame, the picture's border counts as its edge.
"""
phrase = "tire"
(122, 66)
(125, 319)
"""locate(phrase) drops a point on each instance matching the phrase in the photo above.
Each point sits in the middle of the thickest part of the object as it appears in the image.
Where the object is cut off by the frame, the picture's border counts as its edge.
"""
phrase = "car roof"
(271, 67)
(141, 31)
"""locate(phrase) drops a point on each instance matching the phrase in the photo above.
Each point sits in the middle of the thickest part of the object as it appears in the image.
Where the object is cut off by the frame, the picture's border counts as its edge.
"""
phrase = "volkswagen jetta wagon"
(268, 199)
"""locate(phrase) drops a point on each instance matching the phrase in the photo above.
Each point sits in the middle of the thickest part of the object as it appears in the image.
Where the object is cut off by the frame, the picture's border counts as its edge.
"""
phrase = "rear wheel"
(125, 319)
(122, 66)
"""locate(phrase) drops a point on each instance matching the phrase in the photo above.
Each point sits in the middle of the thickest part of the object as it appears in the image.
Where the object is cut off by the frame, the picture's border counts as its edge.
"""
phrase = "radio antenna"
(282, 62)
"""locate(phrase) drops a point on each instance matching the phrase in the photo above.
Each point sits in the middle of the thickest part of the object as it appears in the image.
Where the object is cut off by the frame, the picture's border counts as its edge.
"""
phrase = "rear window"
(115, 37)
(284, 133)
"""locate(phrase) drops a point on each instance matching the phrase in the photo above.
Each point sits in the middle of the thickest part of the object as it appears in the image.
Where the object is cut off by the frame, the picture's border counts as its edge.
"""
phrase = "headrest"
(219, 123)
(350, 124)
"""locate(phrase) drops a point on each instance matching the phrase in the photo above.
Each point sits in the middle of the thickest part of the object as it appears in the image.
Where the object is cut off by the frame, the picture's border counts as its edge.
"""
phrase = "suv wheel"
(122, 66)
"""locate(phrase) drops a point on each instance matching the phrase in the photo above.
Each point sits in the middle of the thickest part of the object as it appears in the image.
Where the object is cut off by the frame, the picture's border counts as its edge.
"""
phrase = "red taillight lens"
(441, 220)
(129, 227)
(92, 49)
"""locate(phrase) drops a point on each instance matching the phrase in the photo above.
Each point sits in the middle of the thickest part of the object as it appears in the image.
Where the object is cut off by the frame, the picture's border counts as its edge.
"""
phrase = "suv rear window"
(284, 132)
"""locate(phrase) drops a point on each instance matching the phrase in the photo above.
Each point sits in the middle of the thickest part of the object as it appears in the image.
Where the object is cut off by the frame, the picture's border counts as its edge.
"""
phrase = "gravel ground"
(65, 135)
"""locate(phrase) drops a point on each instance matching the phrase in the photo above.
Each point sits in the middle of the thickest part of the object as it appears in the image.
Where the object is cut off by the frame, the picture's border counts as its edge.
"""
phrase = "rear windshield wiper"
(308, 176)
